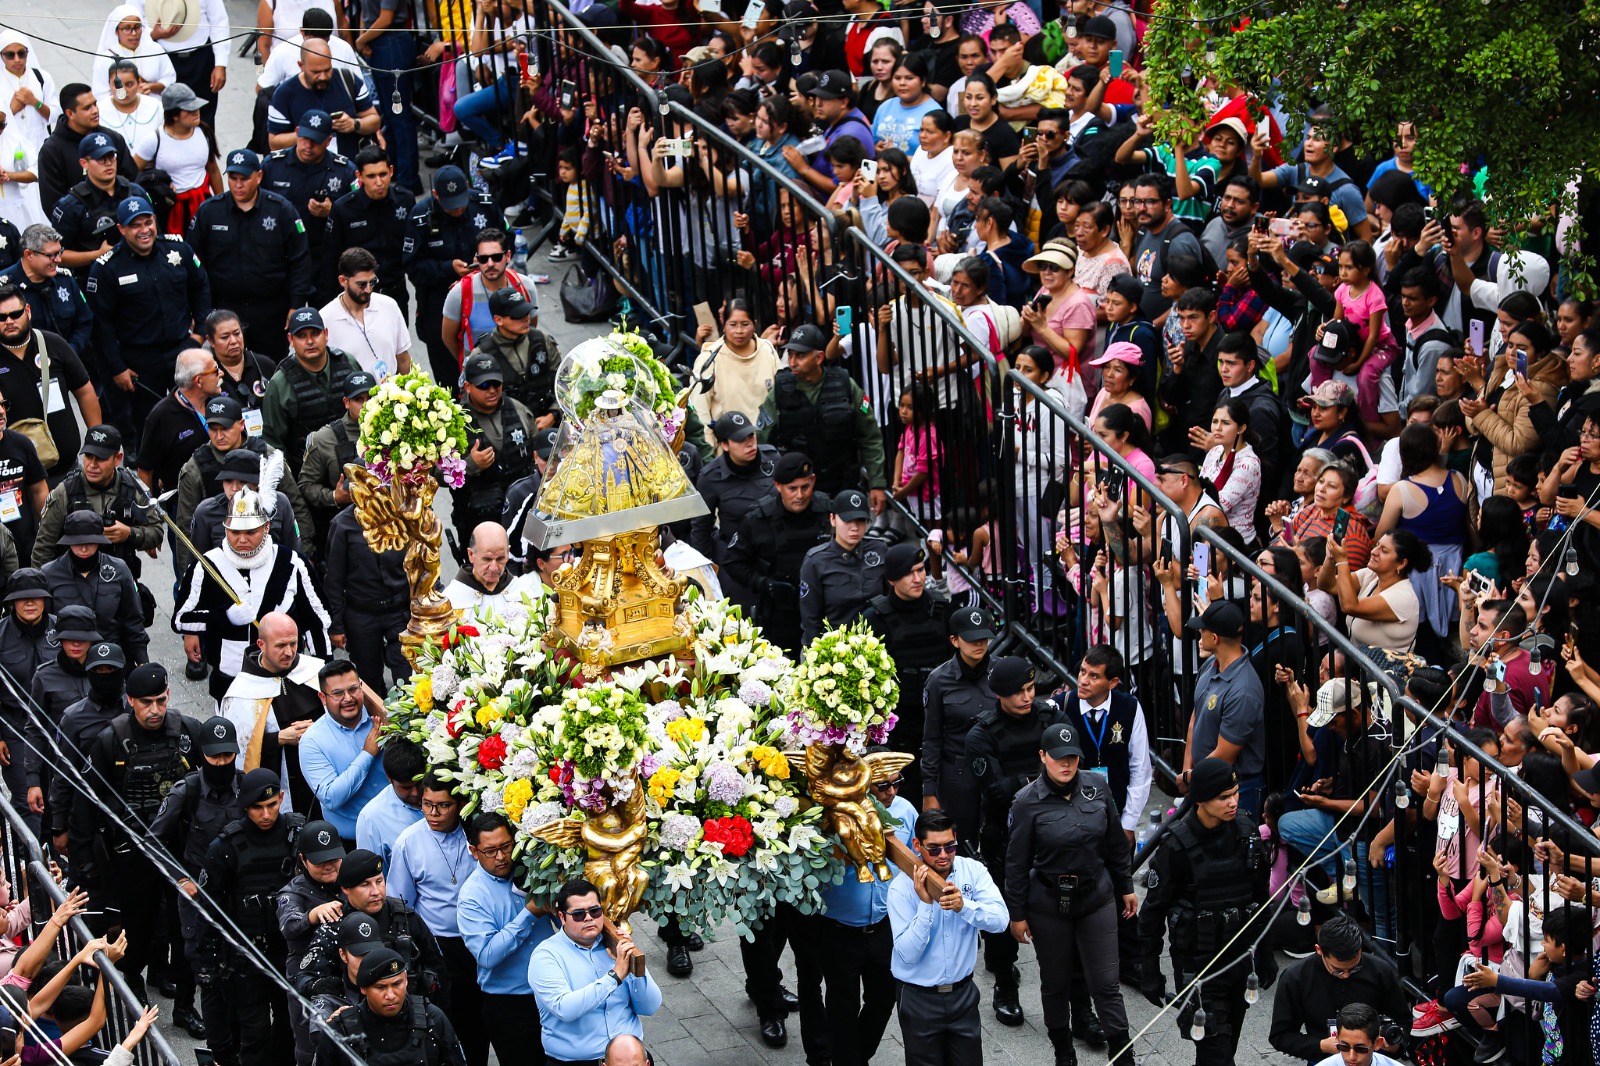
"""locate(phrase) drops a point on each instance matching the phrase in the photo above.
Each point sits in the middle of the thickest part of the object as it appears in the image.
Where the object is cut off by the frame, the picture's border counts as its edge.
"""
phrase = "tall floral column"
(413, 435)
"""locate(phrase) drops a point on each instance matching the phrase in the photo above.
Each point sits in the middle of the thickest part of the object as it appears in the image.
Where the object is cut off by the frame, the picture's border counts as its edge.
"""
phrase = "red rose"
(492, 752)
(733, 833)
(453, 722)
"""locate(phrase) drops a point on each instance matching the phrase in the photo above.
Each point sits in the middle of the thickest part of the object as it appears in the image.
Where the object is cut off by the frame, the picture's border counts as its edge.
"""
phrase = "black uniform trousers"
(247, 1018)
(511, 1023)
(129, 897)
(466, 999)
(763, 977)
(373, 642)
(999, 949)
(859, 992)
(1224, 998)
(430, 311)
(1062, 942)
(941, 1028)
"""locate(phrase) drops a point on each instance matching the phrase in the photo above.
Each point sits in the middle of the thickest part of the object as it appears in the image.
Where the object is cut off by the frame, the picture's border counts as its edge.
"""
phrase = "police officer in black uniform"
(247, 864)
(500, 432)
(956, 694)
(731, 484)
(819, 410)
(1204, 882)
(329, 450)
(27, 641)
(441, 239)
(392, 1027)
(912, 625)
(311, 177)
(1003, 750)
(838, 577)
(87, 575)
(150, 299)
(308, 901)
(773, 541)
(368, 599)
(527, 355)
(191, 817)
(86, 217)
(253, 242)
(82, 721)
(307, 391)
(1069, 873)
(132, 764)
(372, 216)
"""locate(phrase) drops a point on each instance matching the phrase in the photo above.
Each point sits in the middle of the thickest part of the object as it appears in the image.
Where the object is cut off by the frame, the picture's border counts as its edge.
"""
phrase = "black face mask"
(105, 685)
(218, 776)
(84, 566)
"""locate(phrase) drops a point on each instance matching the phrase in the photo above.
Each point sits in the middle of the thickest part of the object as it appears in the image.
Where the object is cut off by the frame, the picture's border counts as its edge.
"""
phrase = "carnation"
(755, 692)
(678, 831)
(445, 680)
(785, 806)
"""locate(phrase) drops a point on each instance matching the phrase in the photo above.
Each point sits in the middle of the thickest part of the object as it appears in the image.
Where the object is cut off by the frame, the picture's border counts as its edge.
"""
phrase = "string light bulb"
(663, 104)
(1571, 561)
(795, 54)
(1402, 795)
(1536, 661)
(1349, 879)
(1252, 989)
(1303, 908)
(1441, 764)
(397, 105)
(1070, 21)
(1197, 1027)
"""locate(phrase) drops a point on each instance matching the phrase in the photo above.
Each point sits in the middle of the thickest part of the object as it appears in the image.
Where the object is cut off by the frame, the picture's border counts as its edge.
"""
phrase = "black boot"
(185, 1017)
(1087, 1027)
(1118, 1042)
(1066, 1054)
(1007, 1007)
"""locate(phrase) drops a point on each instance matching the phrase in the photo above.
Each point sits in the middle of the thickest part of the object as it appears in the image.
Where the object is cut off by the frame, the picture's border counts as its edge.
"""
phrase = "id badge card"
(10, 505)
(253, 421)
(55, 402)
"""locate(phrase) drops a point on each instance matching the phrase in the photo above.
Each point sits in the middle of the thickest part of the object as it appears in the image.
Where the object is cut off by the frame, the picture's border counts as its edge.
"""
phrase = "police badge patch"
(980, 766)
(108, 572)
(872, 558)
(1151, 879)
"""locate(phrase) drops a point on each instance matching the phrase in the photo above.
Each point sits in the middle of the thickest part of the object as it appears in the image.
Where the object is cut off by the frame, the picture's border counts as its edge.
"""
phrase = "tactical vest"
(1107, 752)
(124, 507)
(824, 431)
(205, 457)
(1223, 896)
(99, 208)
(314, 407)
(144, 776)
(915, 642)
(262, 867)
(344, 449)
(486, 493)
(418, 1049)
(205, 816)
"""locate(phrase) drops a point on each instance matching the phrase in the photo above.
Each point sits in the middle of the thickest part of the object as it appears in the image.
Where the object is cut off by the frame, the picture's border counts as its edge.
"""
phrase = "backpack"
(1207, 263)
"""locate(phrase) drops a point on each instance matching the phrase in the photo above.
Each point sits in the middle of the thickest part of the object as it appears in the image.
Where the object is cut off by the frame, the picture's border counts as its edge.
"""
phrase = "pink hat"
(1123, 352)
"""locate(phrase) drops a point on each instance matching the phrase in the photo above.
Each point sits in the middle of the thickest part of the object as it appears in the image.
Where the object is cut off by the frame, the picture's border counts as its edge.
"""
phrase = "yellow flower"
(423, 694)
(488, 714)
(517, 795)
(662, 784)
(771, 761)
(685, 732)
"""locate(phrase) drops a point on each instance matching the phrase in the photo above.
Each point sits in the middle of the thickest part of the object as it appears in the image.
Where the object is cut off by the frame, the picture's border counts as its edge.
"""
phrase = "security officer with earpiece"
(912, 625)
(391, 1026)
(1204, 882)
(248, 1025)
(1003, 748)
(441, 239)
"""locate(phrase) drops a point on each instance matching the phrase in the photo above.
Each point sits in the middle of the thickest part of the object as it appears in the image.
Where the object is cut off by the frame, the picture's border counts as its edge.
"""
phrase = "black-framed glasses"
(495, 853)
(885, 786)
(48, 255)
(940, 849)
(12, 316)
(1345, 1045)
(438, 808)
(373, 284)
(1146, 201)
(585, 914)
(491, 257)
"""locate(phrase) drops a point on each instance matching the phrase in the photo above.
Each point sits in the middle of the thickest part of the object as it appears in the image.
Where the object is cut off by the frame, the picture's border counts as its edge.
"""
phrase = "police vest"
(144, 776)
(206, 817)
(917, 640)
(344, 449)
(825, 430)
(124, 507)
(486, 493)
(263, 865)
(418, 1048)
(99, 208)
(1223, 893)
(315, 406)
(1107, 750)
(205, 457)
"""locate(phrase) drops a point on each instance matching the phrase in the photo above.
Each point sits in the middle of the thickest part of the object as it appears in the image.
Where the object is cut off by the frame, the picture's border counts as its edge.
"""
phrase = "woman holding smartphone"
(1525, 372)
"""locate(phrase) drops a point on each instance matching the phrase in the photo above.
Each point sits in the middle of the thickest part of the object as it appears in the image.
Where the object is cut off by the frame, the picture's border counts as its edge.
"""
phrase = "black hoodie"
(58, 161)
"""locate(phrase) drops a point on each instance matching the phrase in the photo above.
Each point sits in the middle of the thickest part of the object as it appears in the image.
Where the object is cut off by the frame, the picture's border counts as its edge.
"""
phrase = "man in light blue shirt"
(431, 861)
(397, 807)
(339, 753)
(853, 945)
(587, 996)
(501, 927)
(936, 947)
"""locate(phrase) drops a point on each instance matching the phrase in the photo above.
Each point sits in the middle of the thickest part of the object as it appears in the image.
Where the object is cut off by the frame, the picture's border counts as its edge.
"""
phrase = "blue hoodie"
(1010, 284)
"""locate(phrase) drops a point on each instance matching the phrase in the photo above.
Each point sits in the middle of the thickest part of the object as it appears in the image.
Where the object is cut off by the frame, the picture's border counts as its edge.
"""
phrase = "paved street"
(706, 1019)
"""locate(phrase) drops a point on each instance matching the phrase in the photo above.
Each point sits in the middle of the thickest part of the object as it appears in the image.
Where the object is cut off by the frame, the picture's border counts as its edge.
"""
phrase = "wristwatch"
(614, 976)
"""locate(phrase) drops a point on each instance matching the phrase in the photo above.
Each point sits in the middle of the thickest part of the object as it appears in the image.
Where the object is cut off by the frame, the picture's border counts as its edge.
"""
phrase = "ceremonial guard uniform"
(766, 554)
(1205, 882)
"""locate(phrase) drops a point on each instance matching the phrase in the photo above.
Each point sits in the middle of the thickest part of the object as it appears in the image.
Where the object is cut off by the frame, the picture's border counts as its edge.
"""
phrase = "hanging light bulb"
(1402, 795)
(1252, 989)
(662, 103)
(1536, 661)
(1070, 21)
(1349, 880)
(1197, 1027)
(795, 54)
(397, 105)
(1571, 561)
(1303, 907)
(1441, 765)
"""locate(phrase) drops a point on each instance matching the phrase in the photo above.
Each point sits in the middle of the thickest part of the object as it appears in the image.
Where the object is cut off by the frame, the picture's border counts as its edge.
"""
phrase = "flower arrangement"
(411, 426)
(844, 691)
(730, 835)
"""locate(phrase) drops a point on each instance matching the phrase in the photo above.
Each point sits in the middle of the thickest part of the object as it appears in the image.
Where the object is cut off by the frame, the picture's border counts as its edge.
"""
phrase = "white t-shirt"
(1397, 636)
(183, 159)
(375, 341)
(1378, 1059)
(932, 173)
(19, 203)
(283, 62)
(146, 117)
(288, 14)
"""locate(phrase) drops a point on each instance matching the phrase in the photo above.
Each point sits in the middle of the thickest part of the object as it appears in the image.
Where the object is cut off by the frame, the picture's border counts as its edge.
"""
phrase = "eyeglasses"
(373, 284)
(438, 808)
(15, 53)
(1341, 971)
(586, 914)
(1344, 1045)
(1147, 201)
(885, 786)
(940, 849)
(495, 853)
(12, 316)
(48, 255)
(493, 257)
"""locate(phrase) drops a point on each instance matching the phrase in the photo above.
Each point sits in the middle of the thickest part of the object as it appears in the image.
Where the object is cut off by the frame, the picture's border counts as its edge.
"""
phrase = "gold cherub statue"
(613, 841)
(399, 516)
(837, 779)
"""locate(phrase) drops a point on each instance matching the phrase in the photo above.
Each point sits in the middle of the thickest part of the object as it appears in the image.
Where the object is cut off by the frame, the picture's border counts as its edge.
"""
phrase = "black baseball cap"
(544, 442)
(1222, 617)
(482, 369)
(1311, 185)
(509, 303)
(305, 318)
(1100, 26)
(358, 933)
(1338, 341)
(359, 385)
(223, 411)
(218, 736)
(320, 842)
(792, 466)
(451, 187)
(832, 85)
(315, 126)
(104, 653)
(733, 426)
(851, 506)
(1059, 742)
(102, 441)
(972, 623)
(1009, 674)
(806, 338)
